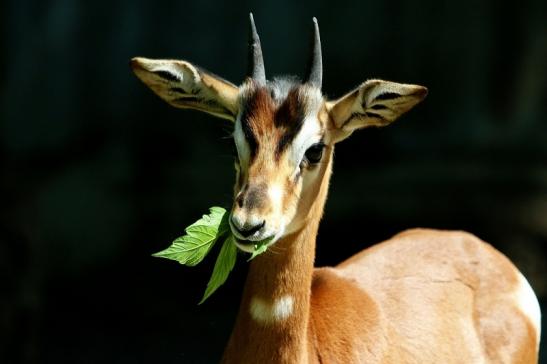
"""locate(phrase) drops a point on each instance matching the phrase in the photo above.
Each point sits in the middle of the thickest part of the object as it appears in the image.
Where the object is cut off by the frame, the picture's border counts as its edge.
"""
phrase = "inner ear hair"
(374, 103)
(186, 86)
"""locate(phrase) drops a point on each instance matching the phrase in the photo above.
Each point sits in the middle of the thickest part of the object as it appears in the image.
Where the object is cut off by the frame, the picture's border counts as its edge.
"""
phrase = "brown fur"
(259, 110)
(338, 309)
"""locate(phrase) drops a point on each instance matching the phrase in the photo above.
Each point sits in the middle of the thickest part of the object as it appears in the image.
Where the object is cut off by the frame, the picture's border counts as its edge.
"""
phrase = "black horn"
(256, 69)
(314, 75)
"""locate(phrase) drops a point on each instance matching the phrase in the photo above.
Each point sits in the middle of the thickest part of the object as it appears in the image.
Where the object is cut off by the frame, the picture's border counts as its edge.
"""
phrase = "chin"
(245, 245)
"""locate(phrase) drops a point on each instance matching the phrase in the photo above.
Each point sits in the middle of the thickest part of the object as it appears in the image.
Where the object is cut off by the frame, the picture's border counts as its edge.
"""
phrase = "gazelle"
(423, 296)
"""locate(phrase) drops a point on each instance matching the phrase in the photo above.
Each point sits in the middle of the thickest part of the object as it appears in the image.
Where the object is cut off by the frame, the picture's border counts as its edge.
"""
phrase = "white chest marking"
(265, 312)
(528, 304)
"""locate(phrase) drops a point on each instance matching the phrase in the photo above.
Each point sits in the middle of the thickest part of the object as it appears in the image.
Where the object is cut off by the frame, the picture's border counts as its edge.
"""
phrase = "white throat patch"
(264, 312)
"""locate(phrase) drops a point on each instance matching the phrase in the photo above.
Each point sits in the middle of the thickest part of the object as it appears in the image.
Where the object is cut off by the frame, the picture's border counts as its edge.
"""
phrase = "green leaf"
(223, 266)
(259, 248)
(201, 236)
(190, 249)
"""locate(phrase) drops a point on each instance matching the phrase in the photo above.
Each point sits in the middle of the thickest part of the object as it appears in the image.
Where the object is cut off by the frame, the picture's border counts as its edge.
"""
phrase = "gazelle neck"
(272, 324)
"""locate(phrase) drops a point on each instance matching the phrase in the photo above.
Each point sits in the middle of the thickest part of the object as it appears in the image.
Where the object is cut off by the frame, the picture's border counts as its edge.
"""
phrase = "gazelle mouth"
(250, 246)
(245, 242)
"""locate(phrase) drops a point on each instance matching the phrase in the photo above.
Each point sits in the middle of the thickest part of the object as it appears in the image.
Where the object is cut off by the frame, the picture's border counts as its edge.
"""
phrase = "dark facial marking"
(256, 112)
(249, 135)
(260, 110)
(284, 141)
(289, 118)
(255, 196)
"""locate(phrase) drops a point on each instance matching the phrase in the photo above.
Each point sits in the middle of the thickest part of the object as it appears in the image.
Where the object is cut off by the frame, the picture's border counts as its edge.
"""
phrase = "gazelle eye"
(315, 153)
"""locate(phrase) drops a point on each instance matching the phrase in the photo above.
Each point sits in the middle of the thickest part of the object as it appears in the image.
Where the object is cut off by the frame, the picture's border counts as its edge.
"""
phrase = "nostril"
(246, 231)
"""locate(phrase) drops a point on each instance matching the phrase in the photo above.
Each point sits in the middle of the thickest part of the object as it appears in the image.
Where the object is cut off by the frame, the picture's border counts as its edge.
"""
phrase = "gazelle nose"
(247, 230)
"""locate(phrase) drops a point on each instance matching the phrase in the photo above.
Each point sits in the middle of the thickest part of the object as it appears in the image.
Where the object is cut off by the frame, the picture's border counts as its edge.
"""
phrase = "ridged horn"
(314, 75)
(255, 69)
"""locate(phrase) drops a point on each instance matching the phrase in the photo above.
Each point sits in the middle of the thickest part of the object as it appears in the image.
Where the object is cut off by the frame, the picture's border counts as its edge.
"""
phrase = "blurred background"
(97, 173)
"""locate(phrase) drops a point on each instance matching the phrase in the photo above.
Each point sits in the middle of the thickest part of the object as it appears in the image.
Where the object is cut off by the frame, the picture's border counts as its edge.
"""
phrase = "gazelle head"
(284, 131)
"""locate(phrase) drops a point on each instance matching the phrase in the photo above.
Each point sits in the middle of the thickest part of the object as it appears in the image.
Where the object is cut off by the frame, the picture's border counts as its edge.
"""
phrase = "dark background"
(97, 173)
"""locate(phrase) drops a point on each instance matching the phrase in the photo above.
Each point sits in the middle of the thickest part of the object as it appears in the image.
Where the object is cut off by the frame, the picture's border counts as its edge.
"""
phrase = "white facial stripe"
(242, 146)
(265, 312)
(528, 304)
(309, 134)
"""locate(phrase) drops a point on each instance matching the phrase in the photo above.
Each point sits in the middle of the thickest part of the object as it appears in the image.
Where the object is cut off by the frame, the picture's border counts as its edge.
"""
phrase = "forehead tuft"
(280, 87)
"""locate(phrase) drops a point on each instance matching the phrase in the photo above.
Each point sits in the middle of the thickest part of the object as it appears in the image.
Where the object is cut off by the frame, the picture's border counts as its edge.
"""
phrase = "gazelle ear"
(184, 85)
(374, 103)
